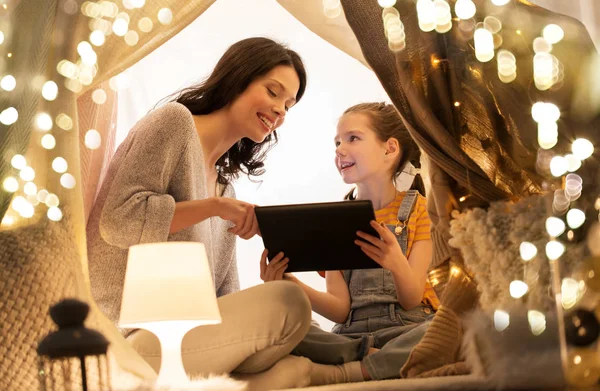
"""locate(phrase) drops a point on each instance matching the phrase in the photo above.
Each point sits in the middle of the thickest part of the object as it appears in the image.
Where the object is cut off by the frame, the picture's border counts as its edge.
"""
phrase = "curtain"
(42, 260)
(477, 132)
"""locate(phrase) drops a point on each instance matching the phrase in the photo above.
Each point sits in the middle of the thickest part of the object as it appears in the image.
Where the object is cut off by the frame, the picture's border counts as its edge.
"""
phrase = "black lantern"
(73, 357)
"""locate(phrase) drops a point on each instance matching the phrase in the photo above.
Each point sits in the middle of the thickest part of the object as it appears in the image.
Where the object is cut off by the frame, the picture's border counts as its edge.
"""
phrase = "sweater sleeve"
(138, 208)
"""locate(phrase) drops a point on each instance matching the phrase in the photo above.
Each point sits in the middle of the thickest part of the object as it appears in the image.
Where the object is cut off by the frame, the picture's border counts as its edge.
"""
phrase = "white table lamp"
(168, 291)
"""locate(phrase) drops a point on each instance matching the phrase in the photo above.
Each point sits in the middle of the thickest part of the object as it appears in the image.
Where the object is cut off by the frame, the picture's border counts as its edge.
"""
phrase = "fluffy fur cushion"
(489, 242)
(213, 383)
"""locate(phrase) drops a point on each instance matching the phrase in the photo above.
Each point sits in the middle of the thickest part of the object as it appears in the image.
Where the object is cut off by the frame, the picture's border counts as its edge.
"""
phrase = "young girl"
(380, 314)
(171, 180)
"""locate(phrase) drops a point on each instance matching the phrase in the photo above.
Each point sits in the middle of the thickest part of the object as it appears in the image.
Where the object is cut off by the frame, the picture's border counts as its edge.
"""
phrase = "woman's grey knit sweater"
(159, 163)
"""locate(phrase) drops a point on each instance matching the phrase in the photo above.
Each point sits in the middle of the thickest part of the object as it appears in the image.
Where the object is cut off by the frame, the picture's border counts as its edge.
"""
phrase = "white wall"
(301, 167)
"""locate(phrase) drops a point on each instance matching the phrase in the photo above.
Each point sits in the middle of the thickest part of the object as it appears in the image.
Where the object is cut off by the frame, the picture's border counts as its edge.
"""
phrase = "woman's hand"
(272, 271)
(385, 251)
(241, 214)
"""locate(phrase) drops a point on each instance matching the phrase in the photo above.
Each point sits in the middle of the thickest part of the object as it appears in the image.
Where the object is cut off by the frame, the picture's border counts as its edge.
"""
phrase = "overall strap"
(406, 207)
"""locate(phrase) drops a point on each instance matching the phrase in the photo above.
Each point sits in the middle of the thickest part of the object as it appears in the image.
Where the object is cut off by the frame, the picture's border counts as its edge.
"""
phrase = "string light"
(575, 218)
(92, 139)
(501, 320)
(97, 38)
(9, 116)
(8, 83)
(555, 226)
(573, 162)
(165, 16)
(99, 96)
(145, 25)
(465, 9)
(537, 322)
(51, 200)
(386, 3)
(332, 8)
(27, 173)
(507, 66)
(64, 122)
(59, 165)
(10, 184)
(554, 250)
(484, 45)
(48, 141)
(67, 181)
(131, 38)
(426, 15)
(518, 289)
(44, 122)
(558, 166)
(553, 33)
(443, 16)
(18, 162)
(30, 188)
(49, 90)
(54, 213)
(500, 2)
(527, 251)
(582, 148)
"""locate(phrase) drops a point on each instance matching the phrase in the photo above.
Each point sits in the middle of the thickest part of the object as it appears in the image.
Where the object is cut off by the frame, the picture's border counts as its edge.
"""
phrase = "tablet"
(318, 236)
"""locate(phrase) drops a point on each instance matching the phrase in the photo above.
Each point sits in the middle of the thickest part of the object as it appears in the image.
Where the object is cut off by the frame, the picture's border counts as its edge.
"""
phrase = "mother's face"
(262, 107)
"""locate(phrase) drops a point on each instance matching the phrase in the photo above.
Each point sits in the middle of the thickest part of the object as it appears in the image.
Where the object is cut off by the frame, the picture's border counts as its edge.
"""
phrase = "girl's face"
(359, 154)
(262, 107)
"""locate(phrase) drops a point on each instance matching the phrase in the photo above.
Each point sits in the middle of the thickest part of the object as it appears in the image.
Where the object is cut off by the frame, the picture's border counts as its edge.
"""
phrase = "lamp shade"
(167, 282)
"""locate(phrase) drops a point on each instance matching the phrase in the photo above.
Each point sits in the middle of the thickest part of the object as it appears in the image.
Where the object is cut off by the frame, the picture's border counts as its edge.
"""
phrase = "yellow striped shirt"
(418, 229)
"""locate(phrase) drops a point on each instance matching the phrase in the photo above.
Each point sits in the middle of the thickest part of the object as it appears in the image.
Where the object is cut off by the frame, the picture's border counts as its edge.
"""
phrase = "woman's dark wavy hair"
(241, 64)
(386, 123)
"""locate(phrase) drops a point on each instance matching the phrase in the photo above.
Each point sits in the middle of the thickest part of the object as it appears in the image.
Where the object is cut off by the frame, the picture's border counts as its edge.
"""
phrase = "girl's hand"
(241, 214)
(272, 271)
(385, 251)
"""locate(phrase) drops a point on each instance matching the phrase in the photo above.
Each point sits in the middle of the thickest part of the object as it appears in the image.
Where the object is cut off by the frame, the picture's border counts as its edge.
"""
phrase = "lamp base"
(170, 335)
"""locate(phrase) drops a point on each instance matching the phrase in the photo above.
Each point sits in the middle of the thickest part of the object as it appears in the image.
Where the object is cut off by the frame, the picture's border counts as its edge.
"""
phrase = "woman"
(171, 180)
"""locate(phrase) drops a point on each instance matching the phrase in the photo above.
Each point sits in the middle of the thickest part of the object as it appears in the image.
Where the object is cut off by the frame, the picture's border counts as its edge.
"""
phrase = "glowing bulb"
(484, 45)
(43, 122)
(30, 188)
(145, 25)
(165, 16)
(1, 37)
(131, 38)
(120, 27)
(555, 226)
(518, 289)
(27, 173)
(501, 320)
(553, 33)
(465, 9)
(51, 200)
(41, 195)
(59, 165)
(541, 45)
(554, 250)
(99, 96)
(26, 210)
(386, 3)
(537, 322)
(97, 38)
(558, 166)
(569, 292)
(10, 184)
(9, 116)
(92, 139)
(575, 218)
(67, 180)
(426, 15)
(500, 2)
(18, 162)
(54, 213)
(573, 163)
(138, 3)
(528, 251)
(7, 221)
(582, 148)
(48, 141)
(50, 90)
(64, 122)
(8, 83)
